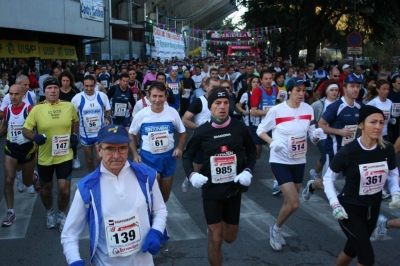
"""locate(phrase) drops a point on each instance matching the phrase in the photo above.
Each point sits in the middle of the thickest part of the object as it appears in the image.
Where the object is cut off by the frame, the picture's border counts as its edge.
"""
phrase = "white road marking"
(256, 221)
(179, 223)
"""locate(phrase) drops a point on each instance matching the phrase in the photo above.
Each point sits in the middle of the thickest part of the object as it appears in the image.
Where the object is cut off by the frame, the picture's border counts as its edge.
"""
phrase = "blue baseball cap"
(115, 134)
(352, 79)
(294, 82)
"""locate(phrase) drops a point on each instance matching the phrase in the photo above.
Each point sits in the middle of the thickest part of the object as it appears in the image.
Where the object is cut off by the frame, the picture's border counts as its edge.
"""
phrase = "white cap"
(345, 66)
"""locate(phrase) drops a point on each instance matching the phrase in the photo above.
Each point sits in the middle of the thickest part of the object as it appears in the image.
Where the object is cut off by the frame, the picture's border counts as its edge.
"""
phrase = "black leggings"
(358, 228)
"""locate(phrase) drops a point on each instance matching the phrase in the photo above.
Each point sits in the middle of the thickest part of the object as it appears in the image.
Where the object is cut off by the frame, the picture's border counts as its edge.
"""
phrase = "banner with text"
(24, 49)
(92, 9)
(167, 44)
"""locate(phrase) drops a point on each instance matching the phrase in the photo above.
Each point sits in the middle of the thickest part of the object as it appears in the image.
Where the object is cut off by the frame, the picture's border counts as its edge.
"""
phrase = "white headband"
(331, 87)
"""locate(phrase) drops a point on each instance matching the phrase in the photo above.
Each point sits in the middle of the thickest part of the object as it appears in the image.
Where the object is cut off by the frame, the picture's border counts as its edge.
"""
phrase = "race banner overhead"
(24, 49)
(167, 44)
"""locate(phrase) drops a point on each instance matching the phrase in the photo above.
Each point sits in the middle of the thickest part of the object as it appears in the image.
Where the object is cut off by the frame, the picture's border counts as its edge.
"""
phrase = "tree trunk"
(312, 45)
(284, 46)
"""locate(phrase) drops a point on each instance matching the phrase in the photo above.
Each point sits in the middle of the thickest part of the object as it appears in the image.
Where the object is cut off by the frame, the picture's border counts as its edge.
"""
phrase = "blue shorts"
(285, 173)
(88, 141)
(124, 121)
(163, 163)
(256, 138)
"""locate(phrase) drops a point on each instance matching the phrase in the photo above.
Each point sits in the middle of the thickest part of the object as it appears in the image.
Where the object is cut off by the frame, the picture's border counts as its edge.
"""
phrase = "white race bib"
(174, 87)
(104, 83)
(372, 177)
(120, 109)
(223, 168)
(346, 140)
(297, 146)
(16, 135)
(92, 123)
(386, 114)
(159, 141)
(396, 109)
(60, 145)
(122, 236)
(187, 94)
(282, 95)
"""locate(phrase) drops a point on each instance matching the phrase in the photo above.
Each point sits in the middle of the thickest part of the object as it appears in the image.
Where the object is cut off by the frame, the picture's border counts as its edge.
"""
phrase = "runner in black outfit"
(229, 155)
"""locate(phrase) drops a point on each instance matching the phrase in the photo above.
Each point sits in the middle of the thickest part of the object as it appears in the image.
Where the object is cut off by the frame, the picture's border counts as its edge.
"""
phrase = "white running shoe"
(31, 189)
(9, 220)
(51, 221)
(276, 189)
(61, 221)
(20, 184)
(381, 230)
(185, 185)
(306, 194)
(76, 164)
(385, 194)
(275, 239)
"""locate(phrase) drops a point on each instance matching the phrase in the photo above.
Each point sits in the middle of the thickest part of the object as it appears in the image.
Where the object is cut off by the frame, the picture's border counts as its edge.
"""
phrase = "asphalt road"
(312, 234)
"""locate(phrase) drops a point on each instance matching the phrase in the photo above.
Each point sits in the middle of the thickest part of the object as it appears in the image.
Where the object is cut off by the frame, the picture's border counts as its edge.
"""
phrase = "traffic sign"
(354, 50)
(354, 39)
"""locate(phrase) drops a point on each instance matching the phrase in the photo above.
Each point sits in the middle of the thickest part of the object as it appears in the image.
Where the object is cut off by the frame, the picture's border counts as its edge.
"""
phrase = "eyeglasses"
(336, 76)
(111, 150)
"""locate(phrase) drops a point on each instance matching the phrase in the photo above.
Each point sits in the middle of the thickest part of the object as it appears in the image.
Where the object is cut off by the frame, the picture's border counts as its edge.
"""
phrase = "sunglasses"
(336, 76)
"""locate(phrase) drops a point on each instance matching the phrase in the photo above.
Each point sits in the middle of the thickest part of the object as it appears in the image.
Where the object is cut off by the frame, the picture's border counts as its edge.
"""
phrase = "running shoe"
(276, 190)
(20, 184)
(313, 175)
(306, 192)
(37, 185)
(185, 185)
(61, 221)
(76, 164)
(8, 221)
(31, 189)
(51, 221)
(385, 194)
(381, 230)
(275, 239)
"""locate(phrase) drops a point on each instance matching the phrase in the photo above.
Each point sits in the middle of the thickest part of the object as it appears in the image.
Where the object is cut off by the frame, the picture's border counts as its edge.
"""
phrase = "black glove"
(74, 141)
(39, 139)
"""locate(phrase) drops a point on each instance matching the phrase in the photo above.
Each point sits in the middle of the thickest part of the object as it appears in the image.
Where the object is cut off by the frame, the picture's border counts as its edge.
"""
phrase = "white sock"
(276, 228)
(11, 210)
(275, 182)
(19, 174)
(50, 212)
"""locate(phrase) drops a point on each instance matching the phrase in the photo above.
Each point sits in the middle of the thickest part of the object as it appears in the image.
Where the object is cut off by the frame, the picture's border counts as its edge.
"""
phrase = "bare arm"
(256, 112)
(107, 120)
(239, 107)
(132, 146)
(75, 127)
(3, 126)
(264, 136)
(187, 120)
(29, 134)
(179, 148)
(396, 145)
(344, 132)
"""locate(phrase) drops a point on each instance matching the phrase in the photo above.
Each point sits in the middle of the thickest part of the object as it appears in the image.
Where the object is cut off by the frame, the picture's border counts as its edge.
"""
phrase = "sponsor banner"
(24, 49)
(167, 44)
(92, 9)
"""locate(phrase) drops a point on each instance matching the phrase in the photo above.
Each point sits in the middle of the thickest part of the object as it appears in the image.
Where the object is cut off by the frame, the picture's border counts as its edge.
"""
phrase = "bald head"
(16, 93)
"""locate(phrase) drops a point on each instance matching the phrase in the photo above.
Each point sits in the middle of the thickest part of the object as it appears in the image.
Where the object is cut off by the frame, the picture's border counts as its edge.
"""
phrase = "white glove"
(395, 204)
(318, 133)
(244, 178)
(338, 211)
(198, 180)
(392, 121)
(275, 146)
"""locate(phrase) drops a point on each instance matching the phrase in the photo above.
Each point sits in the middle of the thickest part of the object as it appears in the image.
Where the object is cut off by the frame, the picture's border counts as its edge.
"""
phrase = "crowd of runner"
(234, 106)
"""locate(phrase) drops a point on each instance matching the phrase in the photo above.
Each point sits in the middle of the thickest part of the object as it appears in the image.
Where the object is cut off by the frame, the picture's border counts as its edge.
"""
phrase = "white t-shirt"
(386, 107)
(198, 78)
(245, 99)
(139, 105)
(146, 121)
(284, 122)
(91, 115)
(29, 98)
